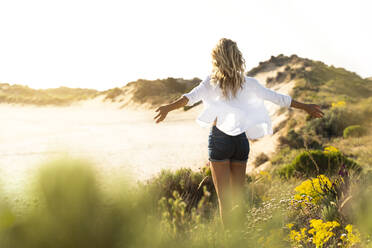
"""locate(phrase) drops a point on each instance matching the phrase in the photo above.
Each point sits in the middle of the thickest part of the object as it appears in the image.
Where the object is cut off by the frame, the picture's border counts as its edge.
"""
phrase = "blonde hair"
(228, 67)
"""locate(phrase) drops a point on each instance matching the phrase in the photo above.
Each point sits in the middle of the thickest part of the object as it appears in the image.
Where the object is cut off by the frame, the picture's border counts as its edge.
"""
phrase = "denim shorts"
(223, 147)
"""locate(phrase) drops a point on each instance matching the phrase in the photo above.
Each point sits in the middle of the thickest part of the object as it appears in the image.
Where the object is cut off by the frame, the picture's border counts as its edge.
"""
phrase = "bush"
(334, 122)
(280, 76)
(292, 139)
(284, 155)
(314, 162)
(269, 80)
(260, 159)
(160, 91)
(295, 140)
(354, 131)
(113, 93)
(189, 184)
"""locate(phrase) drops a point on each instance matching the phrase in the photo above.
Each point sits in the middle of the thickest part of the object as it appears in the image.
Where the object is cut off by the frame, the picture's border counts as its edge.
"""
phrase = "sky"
(106, 44)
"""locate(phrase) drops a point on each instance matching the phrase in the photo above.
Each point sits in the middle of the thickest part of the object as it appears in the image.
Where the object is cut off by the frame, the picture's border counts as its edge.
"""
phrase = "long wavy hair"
(228, 67)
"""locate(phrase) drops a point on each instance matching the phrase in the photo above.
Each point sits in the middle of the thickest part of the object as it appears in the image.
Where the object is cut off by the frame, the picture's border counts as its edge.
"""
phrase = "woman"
(234, 104)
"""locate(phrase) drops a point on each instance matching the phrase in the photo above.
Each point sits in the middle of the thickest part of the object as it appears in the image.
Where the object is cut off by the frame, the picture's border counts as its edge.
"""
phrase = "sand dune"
(117, 141)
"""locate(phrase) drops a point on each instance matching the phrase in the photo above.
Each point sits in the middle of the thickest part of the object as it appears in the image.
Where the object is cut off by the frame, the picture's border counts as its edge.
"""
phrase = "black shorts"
(223, 147)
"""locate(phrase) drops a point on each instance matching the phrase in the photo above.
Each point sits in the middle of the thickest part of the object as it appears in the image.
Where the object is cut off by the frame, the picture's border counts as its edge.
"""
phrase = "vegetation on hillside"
(152, 92)
(315, 82)
(62, 96)
(149, 92)
(345, 98)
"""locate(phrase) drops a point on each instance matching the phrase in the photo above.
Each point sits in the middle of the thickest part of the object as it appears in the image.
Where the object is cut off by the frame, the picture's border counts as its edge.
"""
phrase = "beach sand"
(117, 141)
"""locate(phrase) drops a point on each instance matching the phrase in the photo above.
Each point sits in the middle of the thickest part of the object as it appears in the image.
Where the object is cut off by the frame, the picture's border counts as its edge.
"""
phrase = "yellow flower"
(338, 104)
(303, 232)
(329, 149)
(295, 236)
(290, 225)
(352, 237)
(322, 231)
(312, 190)
(265, 175)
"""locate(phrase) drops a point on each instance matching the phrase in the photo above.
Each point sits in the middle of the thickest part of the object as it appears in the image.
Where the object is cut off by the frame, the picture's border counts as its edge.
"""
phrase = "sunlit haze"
(104, 44)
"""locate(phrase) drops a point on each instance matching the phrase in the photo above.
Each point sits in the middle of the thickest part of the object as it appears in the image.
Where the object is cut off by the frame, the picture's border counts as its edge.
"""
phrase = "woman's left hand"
(314, 110)
(163, 111)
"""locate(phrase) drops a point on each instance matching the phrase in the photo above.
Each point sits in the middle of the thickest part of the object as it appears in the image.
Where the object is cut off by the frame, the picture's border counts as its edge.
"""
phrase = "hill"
(314, 82)
(150, 93)
(345, 98)
(145, 93)
(62, 96)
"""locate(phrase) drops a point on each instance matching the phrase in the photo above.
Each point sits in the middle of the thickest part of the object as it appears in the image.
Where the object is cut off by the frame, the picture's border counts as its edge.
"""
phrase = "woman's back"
(244, 112)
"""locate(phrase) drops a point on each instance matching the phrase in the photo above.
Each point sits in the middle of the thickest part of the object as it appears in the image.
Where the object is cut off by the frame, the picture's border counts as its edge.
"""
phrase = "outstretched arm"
(311, 109)
(165, 109)
(285, 100)
(187, 99)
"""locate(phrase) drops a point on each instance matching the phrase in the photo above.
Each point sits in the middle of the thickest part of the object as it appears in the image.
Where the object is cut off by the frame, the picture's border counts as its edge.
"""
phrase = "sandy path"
(117, 141)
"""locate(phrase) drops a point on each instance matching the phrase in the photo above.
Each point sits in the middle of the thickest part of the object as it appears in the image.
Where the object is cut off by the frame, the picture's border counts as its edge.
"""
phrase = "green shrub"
(284, 155)
(160, 91)
(292, 139)
(295, 140)
(175, 217)
(314, 162)
(333, 122)
(189, 184)
(354, 131)
(286, 171)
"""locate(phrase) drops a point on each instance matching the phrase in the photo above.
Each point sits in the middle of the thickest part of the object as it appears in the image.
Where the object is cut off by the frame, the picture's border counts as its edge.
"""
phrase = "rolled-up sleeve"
(280, 99)
(197, 93)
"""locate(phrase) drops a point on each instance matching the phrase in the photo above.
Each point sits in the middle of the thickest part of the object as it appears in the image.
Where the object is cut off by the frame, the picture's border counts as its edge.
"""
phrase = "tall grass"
(73, 210)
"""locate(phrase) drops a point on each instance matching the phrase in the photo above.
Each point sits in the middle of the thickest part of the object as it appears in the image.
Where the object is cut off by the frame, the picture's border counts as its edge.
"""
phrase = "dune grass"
(62, 96)
(150, 92)
(70, 209)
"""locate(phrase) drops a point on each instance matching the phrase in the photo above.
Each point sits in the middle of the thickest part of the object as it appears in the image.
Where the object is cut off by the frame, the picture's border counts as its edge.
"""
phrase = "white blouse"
(244, 113)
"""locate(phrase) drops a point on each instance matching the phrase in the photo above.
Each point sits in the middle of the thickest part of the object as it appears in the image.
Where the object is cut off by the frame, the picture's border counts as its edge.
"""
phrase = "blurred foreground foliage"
(71, 209)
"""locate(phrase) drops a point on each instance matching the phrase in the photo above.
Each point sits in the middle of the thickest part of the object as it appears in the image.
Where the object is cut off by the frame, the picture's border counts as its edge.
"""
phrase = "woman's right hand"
(314, 110)
(163, 111)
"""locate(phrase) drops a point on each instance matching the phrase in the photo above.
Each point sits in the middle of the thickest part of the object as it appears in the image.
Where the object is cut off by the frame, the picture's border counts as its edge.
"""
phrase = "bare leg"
(237, 180)
(221, 180)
